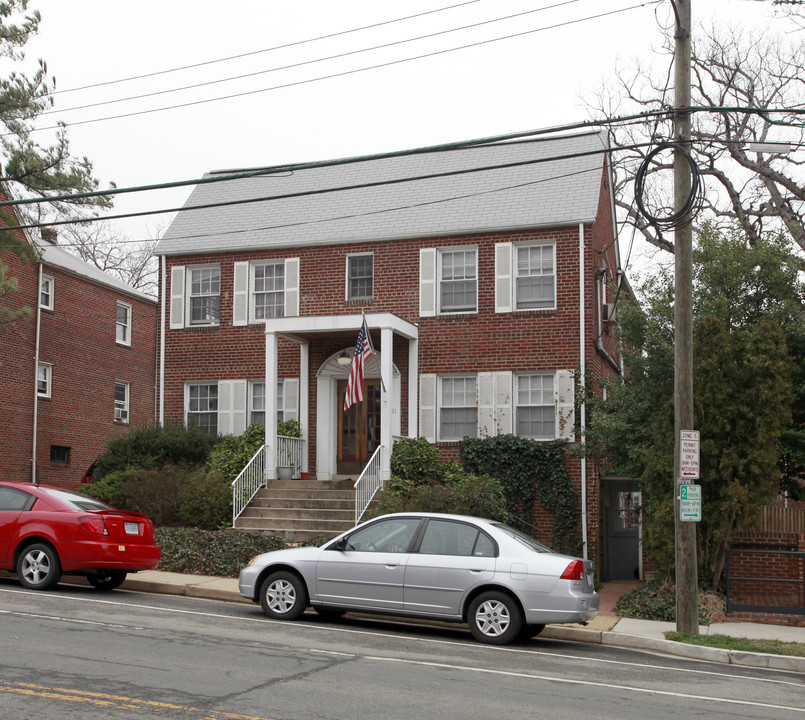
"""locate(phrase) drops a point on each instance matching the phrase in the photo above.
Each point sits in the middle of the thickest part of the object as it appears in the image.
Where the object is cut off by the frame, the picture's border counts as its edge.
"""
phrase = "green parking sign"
(690, 503)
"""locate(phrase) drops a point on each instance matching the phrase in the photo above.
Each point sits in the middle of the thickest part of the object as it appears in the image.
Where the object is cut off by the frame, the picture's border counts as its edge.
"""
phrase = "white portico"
(304, 331)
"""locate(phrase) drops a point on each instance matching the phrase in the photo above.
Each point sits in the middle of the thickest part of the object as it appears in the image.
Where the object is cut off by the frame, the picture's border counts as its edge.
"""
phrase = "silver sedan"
(498, 580)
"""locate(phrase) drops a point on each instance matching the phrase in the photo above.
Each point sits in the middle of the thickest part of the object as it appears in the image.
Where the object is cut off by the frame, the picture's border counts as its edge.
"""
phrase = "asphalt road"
(76, 652)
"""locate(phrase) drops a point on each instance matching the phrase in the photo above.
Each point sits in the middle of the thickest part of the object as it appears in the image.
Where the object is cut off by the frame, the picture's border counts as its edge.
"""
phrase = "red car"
(47, 531)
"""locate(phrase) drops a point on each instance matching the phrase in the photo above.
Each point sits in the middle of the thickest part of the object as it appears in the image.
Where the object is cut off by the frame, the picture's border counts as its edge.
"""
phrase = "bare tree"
(747, 88)
(131, 261)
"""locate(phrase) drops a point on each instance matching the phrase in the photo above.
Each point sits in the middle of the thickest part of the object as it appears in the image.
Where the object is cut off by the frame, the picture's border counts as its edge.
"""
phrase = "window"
(268, 291)
(535, 277)
(44, 379)
(536, 416)
(286, 401)
(445, 537)
(13, 499)
(391, 536)
(458, 410)
(458, 287)
(123, 323)
(59, 455)
(46, 293)
(205, 295)
(202, 406)
(121, 401)
(360, 277)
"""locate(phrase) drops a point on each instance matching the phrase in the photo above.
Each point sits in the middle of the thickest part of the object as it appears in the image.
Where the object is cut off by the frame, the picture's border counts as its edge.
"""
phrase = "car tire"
(531, 631)
(38, 567)
(495, 618)
(109, 580)
(283, 596)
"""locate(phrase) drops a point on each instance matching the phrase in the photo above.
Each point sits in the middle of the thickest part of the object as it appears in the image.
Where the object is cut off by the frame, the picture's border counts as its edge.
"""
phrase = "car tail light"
(574, 571)
(94, 524)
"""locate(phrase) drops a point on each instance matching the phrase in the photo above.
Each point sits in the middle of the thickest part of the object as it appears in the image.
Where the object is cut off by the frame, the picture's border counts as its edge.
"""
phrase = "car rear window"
(75, 501)
(521, 537)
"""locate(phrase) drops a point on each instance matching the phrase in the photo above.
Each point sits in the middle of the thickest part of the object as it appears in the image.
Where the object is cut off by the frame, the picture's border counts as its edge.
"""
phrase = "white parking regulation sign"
(690, 503)
(689, 454)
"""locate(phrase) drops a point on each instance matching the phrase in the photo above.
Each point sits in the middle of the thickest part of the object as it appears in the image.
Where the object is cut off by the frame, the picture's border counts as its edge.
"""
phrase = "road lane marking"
(119, 701)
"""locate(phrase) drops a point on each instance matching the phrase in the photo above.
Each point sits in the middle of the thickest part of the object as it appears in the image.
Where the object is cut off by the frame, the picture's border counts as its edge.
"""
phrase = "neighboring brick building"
(485, 273)
(78, 369)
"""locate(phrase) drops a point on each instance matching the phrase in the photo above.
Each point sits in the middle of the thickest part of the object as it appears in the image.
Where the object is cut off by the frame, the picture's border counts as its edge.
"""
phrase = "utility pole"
(687, 613)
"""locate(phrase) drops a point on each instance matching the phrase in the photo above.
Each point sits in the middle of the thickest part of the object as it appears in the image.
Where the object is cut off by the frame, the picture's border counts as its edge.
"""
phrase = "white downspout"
(583, 407)
(36, 374)
(162, 348)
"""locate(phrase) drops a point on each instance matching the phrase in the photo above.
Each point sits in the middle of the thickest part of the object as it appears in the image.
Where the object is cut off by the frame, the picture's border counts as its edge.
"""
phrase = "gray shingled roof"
(529, 195)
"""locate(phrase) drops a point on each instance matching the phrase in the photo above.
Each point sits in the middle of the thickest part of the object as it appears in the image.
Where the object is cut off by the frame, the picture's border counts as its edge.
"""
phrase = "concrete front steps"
(301, 509)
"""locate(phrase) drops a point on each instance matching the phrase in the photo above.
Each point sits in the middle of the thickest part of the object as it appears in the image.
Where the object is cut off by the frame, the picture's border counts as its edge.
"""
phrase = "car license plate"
(132, 528)
(590, 580)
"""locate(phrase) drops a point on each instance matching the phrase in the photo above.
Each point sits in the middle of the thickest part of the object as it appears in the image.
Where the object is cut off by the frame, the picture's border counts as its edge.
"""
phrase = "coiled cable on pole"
(684, 215)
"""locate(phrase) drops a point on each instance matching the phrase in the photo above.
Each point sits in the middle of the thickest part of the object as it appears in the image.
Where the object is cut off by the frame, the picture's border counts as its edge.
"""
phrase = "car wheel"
(283, 596)
(38, 567)
(494, 618)
(107, 580)
(530, 631)
(328, 612)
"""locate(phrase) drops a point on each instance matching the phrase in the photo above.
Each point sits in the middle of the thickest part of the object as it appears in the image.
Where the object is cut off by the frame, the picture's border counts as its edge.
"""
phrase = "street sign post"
(690, 503)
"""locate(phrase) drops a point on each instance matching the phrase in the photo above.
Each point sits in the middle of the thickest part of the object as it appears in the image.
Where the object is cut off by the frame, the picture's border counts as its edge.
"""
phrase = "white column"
(304, 401)
(413, 388)
(271, 405)
(387, 403)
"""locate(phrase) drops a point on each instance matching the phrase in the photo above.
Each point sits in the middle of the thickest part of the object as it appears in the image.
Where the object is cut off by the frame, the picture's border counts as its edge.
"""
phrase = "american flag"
(363, 351)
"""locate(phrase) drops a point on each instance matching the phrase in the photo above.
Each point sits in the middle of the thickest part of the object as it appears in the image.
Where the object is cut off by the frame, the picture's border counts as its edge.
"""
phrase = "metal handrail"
(367, 485)
(289, 453)
(246, 485)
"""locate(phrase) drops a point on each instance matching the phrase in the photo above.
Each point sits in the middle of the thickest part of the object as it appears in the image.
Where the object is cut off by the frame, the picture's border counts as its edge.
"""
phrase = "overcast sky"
(533, 79)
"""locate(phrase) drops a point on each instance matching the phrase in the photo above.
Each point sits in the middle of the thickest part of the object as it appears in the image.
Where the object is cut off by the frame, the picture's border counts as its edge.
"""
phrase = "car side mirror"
(340, 544)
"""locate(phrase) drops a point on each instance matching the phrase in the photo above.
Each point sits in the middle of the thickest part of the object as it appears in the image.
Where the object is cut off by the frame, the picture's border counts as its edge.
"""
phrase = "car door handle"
(391, 566)
(476, 570)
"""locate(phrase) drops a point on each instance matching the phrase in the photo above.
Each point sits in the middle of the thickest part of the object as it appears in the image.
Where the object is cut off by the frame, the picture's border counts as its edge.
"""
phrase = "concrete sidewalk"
(604, 629)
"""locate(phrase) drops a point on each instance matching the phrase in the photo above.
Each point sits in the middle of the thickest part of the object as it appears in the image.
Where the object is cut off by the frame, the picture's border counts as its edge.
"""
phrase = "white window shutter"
(427, 407)
(231, 407)
(292, 287)
(427, 282)
(240, 294)
(503, 278)
(504, 384)
(290, 398)
(486, 405)
(564, 398)
(177, 297)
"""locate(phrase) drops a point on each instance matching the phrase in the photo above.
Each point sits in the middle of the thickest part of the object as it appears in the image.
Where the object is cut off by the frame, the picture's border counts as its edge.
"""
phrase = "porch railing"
(367, 485)
(246, 485)
(289, 454)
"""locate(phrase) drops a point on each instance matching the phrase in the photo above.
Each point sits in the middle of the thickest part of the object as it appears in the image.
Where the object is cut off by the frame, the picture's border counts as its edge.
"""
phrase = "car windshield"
(76, 501)
(521, 537)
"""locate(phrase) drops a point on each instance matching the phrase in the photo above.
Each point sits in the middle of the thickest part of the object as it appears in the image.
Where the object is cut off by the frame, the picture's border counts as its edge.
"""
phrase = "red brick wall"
(78, 339)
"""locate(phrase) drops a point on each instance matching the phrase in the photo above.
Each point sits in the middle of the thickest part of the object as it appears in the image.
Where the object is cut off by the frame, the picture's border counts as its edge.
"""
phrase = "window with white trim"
(458, 280)
(204, 295)
(535, 277)
(268, 290)
(458, 408)
(46, 293)
(44, 380)
(202, 406)
(360, 277)
(122, 401)
(535, 409)
(123, 331)
(286, 401)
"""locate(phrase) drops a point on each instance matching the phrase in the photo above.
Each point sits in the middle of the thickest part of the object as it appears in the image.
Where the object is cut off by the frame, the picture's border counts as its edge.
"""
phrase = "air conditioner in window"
(609, 312)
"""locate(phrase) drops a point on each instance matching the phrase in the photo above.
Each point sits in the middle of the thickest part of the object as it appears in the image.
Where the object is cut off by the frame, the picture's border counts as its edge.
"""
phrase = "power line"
(345, 73)
(337, 56)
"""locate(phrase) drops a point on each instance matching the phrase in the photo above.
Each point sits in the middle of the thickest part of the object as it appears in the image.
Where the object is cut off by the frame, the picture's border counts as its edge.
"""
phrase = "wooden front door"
(358, 428)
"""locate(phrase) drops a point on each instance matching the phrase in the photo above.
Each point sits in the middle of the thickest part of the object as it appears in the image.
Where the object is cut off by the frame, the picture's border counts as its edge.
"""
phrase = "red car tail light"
(574, 571)
(94, 524)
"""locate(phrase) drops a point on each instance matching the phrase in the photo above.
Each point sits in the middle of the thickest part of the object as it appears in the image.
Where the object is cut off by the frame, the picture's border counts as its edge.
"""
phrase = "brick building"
(79, 368)
(485, 274)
